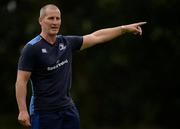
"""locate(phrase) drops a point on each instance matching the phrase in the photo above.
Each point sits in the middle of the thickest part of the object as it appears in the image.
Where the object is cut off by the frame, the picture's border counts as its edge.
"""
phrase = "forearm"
(108, 34)
(102, 36)
(21, 92)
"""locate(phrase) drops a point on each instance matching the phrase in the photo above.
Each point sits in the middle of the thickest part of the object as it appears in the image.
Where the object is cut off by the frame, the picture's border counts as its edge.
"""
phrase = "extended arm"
(108, 34)
(21, 92)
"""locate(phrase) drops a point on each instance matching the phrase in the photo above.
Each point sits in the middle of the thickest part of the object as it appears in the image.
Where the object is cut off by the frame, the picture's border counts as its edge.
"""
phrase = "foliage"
(129, 81)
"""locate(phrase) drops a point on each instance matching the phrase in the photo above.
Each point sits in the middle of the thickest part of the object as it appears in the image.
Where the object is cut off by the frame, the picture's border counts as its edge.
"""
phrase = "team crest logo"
(62, 47)
(44, 50)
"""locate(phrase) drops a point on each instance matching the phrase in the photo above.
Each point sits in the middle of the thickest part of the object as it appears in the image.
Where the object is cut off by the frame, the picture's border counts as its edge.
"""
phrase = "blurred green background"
(131, 82)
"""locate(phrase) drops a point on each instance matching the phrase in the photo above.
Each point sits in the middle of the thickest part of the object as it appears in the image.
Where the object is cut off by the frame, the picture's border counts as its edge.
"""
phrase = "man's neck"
(49, 38)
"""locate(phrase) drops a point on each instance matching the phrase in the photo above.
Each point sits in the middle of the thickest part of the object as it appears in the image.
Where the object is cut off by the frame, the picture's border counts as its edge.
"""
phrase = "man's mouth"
(54, 28)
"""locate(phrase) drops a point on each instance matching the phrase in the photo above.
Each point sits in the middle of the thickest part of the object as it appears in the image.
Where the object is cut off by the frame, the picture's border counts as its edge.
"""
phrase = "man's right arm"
(21, 92)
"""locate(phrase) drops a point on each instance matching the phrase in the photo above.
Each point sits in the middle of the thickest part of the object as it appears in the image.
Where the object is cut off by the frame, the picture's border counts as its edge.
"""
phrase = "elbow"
(20, 84)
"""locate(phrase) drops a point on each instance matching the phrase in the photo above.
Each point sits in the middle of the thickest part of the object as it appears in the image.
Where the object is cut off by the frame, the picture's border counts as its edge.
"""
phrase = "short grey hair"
(43, 9)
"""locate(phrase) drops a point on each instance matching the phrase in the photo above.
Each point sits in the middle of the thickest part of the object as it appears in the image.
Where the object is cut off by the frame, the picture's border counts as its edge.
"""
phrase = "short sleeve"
(75, 41)
(26, 60)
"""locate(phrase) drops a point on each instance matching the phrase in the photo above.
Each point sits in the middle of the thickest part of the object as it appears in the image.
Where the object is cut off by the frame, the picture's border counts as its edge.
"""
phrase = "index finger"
(140, 23)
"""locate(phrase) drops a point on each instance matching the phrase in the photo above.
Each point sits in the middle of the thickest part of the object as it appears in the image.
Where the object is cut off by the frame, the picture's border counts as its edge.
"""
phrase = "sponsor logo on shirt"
(59, 64)
(62, 47)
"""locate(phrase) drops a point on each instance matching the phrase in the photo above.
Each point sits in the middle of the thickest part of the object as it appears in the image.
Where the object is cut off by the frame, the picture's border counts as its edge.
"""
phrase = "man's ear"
(40, 20)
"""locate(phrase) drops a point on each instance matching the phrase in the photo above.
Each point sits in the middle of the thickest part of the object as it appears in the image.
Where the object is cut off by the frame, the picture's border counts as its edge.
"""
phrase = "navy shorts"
(66, 119)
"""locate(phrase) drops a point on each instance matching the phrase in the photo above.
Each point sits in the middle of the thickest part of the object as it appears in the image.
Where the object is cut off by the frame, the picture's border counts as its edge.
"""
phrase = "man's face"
(51, 21)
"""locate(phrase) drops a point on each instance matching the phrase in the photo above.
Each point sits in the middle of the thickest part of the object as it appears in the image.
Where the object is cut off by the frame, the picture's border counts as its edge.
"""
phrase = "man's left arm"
(107, 34)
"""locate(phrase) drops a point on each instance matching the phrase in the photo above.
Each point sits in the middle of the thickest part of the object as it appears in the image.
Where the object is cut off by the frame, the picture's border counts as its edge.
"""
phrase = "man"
(46, 62)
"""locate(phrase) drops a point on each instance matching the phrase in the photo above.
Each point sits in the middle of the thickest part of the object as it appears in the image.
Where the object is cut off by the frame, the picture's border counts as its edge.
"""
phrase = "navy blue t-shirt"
(50, 66)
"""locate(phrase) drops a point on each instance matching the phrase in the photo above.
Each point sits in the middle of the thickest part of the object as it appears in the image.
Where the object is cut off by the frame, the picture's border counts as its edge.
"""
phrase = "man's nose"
(56, 21)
